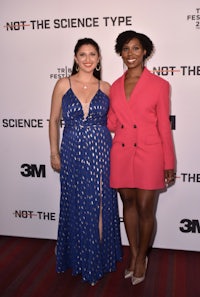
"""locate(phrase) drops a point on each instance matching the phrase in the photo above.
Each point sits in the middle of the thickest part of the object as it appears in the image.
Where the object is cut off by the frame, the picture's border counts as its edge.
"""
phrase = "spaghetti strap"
(69, 81)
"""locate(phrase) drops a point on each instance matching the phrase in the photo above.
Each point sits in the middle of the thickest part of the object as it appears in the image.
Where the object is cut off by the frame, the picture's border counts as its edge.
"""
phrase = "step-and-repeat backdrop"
(37, 43)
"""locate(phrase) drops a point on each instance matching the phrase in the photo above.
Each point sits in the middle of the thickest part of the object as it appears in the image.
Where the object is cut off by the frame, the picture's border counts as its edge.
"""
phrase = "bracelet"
(55, 155)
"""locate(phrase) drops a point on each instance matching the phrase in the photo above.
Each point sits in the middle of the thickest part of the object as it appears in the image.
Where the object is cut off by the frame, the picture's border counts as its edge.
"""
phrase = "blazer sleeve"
(111, 117)
(164, 127)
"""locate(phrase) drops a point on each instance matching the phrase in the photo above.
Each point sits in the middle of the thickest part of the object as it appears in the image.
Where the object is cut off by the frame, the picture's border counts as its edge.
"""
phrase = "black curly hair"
(126, 36)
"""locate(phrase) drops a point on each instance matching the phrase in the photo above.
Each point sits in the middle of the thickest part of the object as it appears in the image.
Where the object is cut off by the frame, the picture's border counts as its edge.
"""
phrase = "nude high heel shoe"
(137, 280)
(128, 273)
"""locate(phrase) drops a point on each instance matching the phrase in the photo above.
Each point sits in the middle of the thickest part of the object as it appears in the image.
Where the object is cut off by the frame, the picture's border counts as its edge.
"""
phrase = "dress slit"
(100, 210)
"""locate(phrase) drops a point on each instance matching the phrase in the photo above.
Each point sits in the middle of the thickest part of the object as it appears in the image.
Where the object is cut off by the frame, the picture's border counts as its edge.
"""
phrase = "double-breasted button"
(122, 126)
(123, 144)
(134, 126)
(135, 144)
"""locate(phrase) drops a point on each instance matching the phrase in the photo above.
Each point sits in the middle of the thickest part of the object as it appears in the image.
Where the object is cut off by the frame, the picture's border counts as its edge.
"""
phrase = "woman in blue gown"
(88, 233)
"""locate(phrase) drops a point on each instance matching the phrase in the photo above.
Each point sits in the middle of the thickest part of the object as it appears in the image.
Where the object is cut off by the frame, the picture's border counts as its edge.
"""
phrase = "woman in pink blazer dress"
(142, 154)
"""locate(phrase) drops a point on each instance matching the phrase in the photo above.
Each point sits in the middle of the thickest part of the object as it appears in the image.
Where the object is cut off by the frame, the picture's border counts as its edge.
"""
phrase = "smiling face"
(133, 53)
(87, 58)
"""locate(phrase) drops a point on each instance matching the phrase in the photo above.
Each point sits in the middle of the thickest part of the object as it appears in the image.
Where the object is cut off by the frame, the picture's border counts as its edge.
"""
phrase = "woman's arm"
(54, 123)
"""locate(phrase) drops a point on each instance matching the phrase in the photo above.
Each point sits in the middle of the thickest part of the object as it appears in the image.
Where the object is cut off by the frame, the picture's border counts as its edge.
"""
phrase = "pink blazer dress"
(142, 146)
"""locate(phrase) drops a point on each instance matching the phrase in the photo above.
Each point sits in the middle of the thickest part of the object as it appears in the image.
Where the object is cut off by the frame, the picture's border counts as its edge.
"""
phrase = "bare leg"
(128, 197)
(146, 218)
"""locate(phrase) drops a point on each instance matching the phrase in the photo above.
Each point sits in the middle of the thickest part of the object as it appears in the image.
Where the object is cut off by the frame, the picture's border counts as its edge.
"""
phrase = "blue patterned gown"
(85, 190)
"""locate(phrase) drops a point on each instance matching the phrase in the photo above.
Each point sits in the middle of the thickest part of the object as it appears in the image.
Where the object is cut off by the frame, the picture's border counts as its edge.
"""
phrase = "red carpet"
(28, 270)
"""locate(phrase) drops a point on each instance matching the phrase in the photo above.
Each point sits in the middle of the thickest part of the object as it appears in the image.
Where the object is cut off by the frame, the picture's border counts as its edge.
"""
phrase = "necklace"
(85, 87)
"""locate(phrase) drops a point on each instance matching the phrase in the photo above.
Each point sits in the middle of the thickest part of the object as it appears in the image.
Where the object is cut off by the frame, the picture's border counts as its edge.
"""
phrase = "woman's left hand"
(169, 176)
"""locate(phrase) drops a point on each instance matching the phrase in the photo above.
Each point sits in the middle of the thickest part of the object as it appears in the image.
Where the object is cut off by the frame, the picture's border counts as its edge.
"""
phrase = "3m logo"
(192, 226)
(33, 170)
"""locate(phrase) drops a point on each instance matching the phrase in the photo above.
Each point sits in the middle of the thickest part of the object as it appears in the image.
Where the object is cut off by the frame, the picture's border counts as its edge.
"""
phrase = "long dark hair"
(86, 41)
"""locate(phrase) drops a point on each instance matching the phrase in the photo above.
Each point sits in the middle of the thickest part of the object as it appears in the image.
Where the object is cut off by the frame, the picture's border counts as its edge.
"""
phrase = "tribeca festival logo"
(68, 23)
(61, 72)
(195, 18)
(30, 214)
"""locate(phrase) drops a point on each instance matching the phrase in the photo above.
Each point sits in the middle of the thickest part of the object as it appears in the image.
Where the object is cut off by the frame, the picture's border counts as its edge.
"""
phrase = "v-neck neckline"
(82, 103)
(134, 90)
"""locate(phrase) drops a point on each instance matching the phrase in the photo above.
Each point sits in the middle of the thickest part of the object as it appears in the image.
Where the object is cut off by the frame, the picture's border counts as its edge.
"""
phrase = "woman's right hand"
(55, 162)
